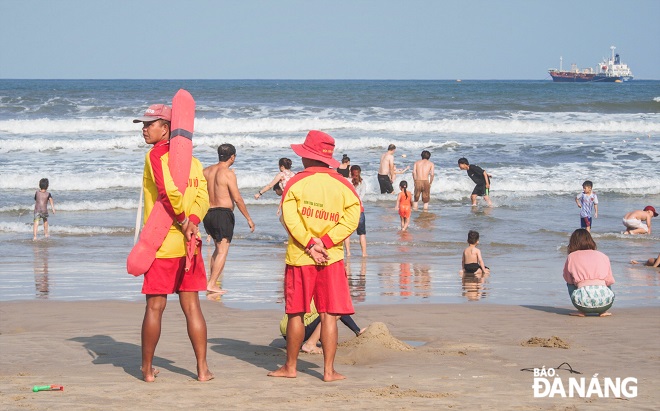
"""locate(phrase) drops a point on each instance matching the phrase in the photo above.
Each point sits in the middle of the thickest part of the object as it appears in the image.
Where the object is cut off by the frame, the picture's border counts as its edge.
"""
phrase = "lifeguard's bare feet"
(149, 376)
(332, 376)
(605, 314)
(283, 372)
(312, 350)
(205, 376)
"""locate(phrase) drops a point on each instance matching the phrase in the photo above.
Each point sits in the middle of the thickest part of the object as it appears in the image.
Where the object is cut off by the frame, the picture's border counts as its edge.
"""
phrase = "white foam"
(70, 181)
(517, 123)
(16, 227)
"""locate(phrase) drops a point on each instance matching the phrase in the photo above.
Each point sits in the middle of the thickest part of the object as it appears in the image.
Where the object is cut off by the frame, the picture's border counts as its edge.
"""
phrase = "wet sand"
(416, 356)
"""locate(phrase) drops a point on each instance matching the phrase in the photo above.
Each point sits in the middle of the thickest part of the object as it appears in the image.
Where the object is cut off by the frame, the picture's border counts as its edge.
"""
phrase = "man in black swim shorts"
(219, 221)
(480, 178)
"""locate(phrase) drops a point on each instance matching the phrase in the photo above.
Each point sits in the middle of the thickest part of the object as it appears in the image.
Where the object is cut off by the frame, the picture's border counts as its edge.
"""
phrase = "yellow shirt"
(194, 203)
(318, 203)
(308, 318)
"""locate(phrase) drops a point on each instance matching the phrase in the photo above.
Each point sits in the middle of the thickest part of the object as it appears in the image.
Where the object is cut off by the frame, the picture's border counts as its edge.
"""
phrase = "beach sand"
(418, 356)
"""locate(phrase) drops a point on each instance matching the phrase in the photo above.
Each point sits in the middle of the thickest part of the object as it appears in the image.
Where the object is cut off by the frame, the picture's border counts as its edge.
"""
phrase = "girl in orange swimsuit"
(404, 205)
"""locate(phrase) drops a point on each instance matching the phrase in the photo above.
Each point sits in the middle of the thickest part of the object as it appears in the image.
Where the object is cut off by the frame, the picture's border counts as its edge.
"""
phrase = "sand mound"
(377, 335)
(554, 342)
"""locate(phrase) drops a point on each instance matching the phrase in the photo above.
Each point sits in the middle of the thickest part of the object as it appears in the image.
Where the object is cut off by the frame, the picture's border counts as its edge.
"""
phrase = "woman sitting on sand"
(588, 275)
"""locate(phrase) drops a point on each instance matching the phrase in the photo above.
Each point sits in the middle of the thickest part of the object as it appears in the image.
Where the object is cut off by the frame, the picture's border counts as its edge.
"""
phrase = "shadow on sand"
(269, 357)
(553, 310)
(104, 349)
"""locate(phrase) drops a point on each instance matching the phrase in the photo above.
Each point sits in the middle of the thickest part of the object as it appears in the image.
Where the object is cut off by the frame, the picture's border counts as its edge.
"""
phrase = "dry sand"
(462, 356)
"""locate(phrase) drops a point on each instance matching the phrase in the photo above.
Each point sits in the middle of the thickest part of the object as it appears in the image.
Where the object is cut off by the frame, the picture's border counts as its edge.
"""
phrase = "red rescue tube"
(159, 222)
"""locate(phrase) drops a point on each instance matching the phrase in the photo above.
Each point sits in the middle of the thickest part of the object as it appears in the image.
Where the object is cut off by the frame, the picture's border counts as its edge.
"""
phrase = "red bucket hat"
(317, 146)
(649, 208)
(155, 112)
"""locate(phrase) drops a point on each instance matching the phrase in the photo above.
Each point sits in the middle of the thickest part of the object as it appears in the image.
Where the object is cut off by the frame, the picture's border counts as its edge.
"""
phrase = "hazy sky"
(333, 39)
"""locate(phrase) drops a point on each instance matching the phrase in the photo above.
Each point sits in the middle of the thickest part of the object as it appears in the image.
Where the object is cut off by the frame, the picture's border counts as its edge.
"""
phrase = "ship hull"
(570, 77)
(612, 79)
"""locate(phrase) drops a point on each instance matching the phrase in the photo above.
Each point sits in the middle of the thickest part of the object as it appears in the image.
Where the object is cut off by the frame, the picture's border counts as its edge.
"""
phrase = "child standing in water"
(404, 205)
(587, 201)
(41, 200)
(472, 261)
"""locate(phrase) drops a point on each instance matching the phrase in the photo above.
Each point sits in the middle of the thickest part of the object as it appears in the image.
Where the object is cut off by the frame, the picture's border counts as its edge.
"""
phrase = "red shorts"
(327, 284)
(168, 276)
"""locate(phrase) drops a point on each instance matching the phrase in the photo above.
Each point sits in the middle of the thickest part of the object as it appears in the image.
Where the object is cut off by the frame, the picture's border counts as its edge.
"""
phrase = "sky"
(333, 39)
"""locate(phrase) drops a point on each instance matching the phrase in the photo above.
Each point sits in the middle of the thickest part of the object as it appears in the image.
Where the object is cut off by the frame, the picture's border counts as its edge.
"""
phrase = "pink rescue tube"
(159, 222)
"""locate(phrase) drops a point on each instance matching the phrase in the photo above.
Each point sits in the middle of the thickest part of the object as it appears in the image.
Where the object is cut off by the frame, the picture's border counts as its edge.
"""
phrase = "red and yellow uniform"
(318, 203)
(167, 273)
(158, 183)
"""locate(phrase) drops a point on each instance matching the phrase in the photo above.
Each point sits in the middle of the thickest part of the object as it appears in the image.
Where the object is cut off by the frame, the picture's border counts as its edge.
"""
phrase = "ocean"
(539, 140)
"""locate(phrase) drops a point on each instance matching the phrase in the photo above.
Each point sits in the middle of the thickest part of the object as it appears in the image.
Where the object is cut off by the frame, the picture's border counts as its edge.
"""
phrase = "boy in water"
(587, 201)
(634, 221)
(480, 178)
(41, 200)
(472, 261)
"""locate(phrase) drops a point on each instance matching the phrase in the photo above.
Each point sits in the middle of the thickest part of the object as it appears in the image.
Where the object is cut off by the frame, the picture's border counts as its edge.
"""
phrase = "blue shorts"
(362, 227)
(585, 222)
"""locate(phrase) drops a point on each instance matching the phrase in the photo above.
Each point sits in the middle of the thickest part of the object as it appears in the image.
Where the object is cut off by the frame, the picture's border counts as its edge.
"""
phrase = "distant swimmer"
(423, 174)
(41, 200)
(404, 205)
(361, 190)
(345, 167)
(279, 182)
(639, 221)
(480, 177)
(651, 262)
(387, 171)
(587, 201)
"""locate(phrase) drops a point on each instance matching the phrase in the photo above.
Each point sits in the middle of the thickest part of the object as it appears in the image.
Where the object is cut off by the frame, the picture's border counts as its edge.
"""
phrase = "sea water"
(539, 140)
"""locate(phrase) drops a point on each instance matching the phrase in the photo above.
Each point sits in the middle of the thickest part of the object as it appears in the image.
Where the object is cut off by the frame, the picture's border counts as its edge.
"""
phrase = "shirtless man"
(423, 173)
(387, 172)
(634, 219)
(219, 222)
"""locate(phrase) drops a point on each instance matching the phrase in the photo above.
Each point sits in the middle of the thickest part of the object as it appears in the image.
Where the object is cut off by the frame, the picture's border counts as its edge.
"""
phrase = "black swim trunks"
(480, 190)
(385, 184)
(471, 268)
(219, 223)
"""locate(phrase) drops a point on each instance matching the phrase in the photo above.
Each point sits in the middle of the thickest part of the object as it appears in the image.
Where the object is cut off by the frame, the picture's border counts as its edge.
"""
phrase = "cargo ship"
(609, 70)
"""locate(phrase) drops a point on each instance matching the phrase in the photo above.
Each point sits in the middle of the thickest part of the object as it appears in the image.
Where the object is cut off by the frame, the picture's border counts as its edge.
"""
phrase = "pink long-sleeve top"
(588, 267)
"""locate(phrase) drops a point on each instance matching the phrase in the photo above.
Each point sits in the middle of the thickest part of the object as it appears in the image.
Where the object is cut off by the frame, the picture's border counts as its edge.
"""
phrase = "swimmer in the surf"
(404, 205)
(651, 262)
(41, 200)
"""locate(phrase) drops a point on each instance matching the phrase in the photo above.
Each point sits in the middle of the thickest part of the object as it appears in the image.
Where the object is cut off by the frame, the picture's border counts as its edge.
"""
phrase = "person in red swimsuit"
(404, 205)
